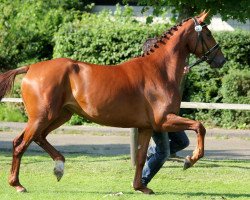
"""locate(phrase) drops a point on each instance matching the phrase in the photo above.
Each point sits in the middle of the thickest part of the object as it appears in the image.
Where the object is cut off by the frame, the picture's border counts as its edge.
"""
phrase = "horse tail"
(7, 79)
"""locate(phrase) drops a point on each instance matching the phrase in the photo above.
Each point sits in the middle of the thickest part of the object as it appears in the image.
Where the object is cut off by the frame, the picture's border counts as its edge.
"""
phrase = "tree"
(228, 9)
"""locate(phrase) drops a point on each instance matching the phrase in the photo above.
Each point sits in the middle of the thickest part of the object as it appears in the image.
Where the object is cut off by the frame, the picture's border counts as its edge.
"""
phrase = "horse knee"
(18, 150)
(17, 141)
(200, 128)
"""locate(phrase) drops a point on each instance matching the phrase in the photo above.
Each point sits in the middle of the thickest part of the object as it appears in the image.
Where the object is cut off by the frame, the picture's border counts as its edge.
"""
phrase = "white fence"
(13, 100)
(194, 105)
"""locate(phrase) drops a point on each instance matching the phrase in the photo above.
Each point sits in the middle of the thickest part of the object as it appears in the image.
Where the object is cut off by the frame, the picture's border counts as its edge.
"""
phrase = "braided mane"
(152, 42)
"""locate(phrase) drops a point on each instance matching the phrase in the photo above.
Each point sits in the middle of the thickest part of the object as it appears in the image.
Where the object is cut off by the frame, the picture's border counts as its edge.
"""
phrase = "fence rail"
(226, 106)
(12, 100)
(194, 105)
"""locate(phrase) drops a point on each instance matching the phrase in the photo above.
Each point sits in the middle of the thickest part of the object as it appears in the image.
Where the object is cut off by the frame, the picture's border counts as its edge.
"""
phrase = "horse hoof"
(187, 163)
(20, 189)
(58, 174)
(59, 169)
(149, 191)
(145, 190)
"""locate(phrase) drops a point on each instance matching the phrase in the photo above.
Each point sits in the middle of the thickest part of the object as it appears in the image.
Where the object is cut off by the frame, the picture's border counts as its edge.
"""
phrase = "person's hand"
(186, 69)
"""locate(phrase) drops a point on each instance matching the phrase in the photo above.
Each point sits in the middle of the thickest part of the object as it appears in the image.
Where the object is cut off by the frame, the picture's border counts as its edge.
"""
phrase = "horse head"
(202, 43)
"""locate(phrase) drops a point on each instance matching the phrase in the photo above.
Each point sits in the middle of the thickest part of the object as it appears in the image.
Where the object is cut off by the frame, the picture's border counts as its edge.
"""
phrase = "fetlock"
(13, 182)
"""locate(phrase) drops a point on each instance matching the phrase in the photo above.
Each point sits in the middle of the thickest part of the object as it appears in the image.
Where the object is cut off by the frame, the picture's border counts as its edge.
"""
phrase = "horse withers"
(142, 92)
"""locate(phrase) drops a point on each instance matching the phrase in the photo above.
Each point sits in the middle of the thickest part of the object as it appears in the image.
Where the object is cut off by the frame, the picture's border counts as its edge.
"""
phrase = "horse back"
(109, 95)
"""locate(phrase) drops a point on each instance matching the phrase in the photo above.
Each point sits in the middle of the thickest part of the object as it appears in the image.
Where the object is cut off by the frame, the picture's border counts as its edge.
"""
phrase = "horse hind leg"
(20, 145)
(13, 179)
(54, 154)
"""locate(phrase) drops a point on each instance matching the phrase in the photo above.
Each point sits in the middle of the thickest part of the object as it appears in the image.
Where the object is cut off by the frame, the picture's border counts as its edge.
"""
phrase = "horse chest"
(164, 100)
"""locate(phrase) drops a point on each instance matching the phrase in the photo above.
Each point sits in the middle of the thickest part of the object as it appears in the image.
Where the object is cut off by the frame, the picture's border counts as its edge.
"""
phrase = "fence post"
(133, 144)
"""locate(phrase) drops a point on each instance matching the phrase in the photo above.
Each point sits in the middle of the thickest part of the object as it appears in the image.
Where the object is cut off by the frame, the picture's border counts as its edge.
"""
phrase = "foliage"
(236, 87)
(27, 29)
(12, 113)
(78, 120)
(103, 39)
(183, 9)
(236, 48)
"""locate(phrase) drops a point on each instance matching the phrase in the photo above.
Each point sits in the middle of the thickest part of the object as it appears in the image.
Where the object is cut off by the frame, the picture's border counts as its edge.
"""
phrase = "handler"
(166, 145)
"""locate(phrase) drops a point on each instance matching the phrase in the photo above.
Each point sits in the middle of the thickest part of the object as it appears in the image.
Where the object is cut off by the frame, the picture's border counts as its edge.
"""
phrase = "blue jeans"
(165, 144)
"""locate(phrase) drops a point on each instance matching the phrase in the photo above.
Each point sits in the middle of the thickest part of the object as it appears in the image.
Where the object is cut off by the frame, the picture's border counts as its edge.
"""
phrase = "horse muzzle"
(218, 62)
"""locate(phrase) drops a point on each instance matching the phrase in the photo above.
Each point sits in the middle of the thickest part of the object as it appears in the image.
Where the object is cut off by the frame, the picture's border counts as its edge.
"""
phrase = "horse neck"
(170, 58)
(176, 60)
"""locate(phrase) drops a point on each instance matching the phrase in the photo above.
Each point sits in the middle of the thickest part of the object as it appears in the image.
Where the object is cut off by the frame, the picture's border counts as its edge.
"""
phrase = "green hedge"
(235, 87)
(27, 28)
(12, 112)
(236, 48)
(103, 39)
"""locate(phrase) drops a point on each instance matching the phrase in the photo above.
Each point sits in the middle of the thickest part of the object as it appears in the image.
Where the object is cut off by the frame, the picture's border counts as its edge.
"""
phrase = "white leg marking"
(59, 169)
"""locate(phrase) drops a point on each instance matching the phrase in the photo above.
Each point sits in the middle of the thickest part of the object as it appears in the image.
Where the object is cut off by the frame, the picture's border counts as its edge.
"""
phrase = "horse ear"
(202, 13)
(201, 17)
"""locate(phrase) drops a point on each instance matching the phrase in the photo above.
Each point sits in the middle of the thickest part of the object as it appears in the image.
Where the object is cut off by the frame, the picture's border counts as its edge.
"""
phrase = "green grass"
(96, 177)
(11, 113)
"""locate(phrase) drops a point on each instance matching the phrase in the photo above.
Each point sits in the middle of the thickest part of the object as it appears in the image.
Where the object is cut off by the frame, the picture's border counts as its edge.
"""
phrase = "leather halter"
(206, 54)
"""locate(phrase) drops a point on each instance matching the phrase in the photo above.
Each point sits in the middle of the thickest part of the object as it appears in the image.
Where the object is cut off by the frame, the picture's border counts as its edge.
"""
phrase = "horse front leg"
(174, 123)
(144, 136)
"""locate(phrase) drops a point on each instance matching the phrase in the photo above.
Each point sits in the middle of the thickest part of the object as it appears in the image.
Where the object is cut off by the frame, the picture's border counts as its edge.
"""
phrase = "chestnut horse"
(142, 92)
